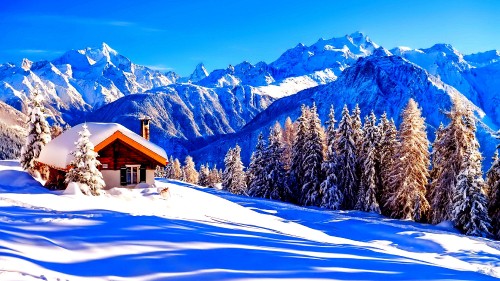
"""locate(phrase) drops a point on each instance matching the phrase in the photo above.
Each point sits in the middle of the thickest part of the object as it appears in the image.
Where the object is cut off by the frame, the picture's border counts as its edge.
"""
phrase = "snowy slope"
(204, 234)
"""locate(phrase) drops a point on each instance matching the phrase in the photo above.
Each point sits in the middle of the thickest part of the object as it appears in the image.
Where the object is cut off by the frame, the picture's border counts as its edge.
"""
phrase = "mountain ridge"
(90, 83)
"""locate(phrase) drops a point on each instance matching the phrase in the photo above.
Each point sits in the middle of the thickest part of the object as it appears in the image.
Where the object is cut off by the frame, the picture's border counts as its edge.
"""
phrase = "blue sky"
(177, 35)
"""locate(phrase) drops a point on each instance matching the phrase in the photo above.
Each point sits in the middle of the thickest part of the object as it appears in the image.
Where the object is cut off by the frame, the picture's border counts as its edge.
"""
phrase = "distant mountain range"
(206, 113)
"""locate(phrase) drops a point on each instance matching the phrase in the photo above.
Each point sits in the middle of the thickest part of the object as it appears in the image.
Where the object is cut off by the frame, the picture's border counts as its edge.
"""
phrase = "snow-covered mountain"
(183, 112)
(472, 75)
(378, 83)
(336, 54)
(196, 112)
(199, 73)
(296, 69)
(12, 131)
(79, 80)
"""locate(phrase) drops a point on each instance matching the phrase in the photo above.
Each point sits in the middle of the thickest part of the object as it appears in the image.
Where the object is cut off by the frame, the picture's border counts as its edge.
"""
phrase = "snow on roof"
(57, 153)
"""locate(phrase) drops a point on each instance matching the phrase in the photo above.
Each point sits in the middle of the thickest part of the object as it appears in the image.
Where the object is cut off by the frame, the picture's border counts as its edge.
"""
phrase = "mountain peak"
(483, 58)
(26, 64)
(442, 47)
(357, 34)
(103, 52)
(199, 73)
(105, 48)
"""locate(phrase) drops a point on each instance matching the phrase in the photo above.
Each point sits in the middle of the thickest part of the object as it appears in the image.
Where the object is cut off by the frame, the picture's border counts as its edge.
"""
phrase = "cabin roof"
(57, 153)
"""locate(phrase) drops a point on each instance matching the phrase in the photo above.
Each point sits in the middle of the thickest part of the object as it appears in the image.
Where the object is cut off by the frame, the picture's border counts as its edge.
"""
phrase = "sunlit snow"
(199, 233)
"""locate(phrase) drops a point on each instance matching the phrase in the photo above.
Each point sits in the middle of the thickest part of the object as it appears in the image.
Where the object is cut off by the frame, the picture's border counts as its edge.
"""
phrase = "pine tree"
(288, 137)
(275, 185)
(84, 165)
(38, 133)
(357, 136)
(160, 172)
(233, 178)
(310, 191)
(357, 129)
(183, 175)
(408, 201)
(190, 173)
(346, 161)
(55, 130)
(214, 177)
(388, 148)
(204, 175)
(470, 213)
(168, 171)
(296, 173)
(255, 173)
(434, 195)
(494, 195)
(449, 149)
(176, 170)
(367, 196)
(332, 197)
(493, 174)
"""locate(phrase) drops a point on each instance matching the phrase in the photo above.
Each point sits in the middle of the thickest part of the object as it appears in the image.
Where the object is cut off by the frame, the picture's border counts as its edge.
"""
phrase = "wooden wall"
(118, 154)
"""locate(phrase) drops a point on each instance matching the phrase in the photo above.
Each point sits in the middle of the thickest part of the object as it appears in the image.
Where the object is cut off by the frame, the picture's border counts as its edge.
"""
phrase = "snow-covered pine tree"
(389, 145)
(470, 206)
(84, 165)
(11, 142)
(357, 128)
(367, 195)
(168, 171)
(164, 172)
(437, 165)
(449, 150)
(160, 172)
(357, 136)
(183, 175)
(233, 178)
(493, 174)
(274, 171)
(190, 173)
(332, 197)
(204, 175)
(310, 191)
(176, 170)
(38, 132)
(255, 173)
(494, 195)
(408, 201)
(296, 173)
(213, 176)
(55, 130)
(288, 137)
(346, 161)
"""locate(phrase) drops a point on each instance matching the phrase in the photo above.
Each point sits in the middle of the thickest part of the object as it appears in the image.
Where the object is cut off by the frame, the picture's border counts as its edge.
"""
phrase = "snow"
(207, 234)
(73, 189)
(65, 143)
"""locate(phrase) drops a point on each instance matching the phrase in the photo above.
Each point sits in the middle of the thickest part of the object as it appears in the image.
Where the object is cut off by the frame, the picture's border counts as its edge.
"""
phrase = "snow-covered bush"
(84, 165)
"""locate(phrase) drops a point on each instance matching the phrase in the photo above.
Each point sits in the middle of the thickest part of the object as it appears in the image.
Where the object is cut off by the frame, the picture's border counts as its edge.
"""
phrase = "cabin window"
(132, 174)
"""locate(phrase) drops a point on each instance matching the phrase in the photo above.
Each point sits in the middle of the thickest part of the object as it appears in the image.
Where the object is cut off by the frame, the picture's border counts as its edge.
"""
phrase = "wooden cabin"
(127, 158)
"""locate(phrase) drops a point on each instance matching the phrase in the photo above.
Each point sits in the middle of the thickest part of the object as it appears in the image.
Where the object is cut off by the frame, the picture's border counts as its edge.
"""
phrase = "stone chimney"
(145, 127)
